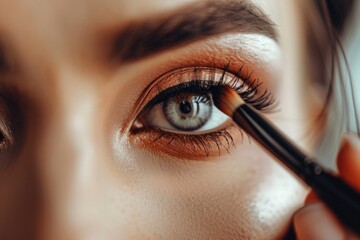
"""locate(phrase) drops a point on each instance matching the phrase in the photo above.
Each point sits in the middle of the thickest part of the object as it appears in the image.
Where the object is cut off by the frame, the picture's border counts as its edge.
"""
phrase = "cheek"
(246, 195)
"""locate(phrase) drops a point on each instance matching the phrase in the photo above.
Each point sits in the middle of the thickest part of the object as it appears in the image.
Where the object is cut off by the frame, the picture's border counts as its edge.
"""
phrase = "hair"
(326, 23)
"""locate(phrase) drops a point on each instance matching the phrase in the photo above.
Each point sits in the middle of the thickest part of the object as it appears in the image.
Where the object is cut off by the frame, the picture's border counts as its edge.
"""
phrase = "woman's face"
(95, 146)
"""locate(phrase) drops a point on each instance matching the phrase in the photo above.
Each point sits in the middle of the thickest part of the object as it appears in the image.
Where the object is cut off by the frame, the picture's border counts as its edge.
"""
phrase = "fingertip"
(348, 160)
(314, 221)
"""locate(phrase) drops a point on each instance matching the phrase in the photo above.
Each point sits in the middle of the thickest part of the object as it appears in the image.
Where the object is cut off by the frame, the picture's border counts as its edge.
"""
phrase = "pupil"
(185, 107)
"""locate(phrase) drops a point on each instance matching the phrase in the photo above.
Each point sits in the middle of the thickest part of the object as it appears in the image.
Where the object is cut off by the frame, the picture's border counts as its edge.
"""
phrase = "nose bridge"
(67, 157)
(68, 135)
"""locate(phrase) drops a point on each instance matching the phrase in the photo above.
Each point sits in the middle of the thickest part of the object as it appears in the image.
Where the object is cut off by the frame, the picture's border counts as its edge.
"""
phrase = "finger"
(351, 237)
(315, 221)
(348, 160)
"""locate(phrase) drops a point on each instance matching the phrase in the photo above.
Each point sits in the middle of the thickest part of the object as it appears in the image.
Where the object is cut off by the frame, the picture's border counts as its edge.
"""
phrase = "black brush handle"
(342, 199)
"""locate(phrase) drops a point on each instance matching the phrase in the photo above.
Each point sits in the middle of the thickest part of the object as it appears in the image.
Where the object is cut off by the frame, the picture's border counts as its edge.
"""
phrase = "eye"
(178, 110)
(188, 112)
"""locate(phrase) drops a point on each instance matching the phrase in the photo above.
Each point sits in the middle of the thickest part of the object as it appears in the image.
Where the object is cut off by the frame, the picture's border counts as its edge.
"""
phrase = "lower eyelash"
(195, 144)
(203, 142)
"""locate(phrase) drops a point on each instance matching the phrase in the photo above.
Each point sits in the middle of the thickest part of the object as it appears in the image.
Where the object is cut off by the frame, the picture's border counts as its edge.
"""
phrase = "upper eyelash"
(248, 90)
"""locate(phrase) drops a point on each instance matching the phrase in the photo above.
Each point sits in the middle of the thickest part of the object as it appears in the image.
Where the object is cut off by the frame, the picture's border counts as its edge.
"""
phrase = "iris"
(188, 111)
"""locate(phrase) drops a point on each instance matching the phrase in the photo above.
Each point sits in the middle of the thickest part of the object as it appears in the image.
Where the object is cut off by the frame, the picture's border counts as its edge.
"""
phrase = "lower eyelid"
(194, 147)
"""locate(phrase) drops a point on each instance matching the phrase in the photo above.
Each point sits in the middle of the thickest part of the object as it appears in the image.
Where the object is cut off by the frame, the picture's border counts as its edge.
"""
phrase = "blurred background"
(347, 85)
(351, 41)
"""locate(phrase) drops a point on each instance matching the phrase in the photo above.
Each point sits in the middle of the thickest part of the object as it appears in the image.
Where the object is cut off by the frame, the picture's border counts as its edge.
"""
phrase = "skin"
(78, 173)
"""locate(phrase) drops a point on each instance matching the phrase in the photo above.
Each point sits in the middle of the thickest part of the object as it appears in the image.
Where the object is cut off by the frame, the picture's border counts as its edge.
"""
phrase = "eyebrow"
(199, 20)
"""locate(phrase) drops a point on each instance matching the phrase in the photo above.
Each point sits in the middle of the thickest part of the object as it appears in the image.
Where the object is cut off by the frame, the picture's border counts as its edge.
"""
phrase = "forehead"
(69, 14)
(80, 15)
(60, 27)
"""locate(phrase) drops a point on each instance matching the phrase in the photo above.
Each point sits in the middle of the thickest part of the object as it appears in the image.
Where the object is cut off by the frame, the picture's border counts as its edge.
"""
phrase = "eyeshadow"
(205, 82)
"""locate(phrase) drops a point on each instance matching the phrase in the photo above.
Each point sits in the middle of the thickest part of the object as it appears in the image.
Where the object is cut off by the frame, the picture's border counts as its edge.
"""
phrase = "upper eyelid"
(197, 82)
(166, 81)
(170, 92)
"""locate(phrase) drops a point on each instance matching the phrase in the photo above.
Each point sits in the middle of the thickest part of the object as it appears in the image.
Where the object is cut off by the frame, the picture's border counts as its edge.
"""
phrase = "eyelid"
(203, 79)
(183, 75)
(194, 147)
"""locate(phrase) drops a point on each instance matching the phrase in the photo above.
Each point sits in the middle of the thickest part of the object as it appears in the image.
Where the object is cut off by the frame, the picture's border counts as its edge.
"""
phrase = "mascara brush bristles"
(226, 99)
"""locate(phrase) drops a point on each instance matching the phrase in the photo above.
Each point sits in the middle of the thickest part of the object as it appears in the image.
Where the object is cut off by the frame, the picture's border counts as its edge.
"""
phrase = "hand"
(315, 221)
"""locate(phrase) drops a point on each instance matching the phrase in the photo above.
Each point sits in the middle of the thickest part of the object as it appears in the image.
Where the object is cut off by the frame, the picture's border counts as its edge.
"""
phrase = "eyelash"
(248, 90)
